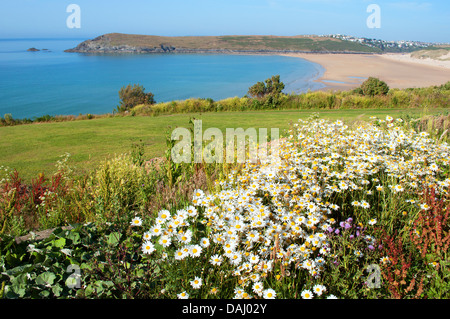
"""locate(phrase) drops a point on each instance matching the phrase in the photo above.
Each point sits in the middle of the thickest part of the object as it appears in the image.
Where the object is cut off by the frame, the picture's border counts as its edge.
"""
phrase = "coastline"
(348, 71)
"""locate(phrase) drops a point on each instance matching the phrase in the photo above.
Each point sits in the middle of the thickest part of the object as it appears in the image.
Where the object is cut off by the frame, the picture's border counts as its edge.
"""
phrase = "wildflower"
(319, 289)
(214, 291)
(358, 253)
(216, 260)
(204, 242)
(195, 250)
(279, 202)
(334, 207)
(192, 211)
(239, 293)
(198, 193)
(307, 294)
(236, 258)
(365, 204)
(185, 237)
(183, 295)
(137, 221)
(147, 236)
(269, 294)
(155, 230)
(332, 297)
(148, 247)
(164, 241)
(258, 288)
(308, 264)
(398, 188)
(180, 254)
(196, 283)
(254, 259)
(164, 214)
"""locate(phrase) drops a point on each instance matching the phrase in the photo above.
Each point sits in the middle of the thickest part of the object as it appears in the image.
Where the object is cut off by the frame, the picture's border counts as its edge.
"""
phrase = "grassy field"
(35, 148)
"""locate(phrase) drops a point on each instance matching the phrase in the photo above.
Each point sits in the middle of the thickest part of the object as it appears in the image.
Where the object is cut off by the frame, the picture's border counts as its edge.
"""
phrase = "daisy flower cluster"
(272, 217)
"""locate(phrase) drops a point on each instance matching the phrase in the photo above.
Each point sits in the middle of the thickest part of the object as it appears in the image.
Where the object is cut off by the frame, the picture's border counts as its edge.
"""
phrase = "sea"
(53, 82)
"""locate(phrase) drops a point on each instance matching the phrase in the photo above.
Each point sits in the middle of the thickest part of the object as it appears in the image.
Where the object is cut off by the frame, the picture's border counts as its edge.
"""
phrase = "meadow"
(35, 148)
(354, 206)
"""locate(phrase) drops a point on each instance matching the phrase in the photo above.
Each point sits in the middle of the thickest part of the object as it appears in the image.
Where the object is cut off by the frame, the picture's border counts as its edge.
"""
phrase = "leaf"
(57, 289)
(19, 285)
(59, 243)
(114, 238)
(74, 237)
(46, 279)
(67, 251)
(19, 269)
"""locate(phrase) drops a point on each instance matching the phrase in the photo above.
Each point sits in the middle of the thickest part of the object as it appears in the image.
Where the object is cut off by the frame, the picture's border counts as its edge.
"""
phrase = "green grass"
(35, 148)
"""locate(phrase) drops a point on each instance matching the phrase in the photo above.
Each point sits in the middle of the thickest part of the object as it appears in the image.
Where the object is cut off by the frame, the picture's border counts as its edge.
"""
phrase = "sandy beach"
(348, 71)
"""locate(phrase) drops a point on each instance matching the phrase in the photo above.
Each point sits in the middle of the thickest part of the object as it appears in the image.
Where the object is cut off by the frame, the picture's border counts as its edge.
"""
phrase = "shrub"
(272, 86)
(8, 119)
(118, 185)
(373, 86)
(131, 96)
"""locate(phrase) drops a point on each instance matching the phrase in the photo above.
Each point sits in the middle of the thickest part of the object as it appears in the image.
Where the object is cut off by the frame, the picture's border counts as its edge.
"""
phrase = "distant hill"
(132, 43)
(435, 53)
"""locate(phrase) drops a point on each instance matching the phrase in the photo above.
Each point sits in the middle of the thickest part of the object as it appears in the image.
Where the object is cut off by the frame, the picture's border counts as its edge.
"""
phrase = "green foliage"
(137, 153)
(132, 95)
(437, 281)
(8, 119)
(373, 86)
(348, 274)
(119, 185)
(271, 87)
(87, 261)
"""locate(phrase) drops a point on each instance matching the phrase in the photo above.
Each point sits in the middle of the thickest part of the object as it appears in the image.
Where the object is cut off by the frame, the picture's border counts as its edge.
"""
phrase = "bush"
(373, 86)
(130, 96)
(119, 185)
(272, 86)
(8, 119)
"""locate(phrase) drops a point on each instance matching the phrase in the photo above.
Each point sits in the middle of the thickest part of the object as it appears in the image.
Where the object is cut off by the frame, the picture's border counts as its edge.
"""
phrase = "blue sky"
(400, 20)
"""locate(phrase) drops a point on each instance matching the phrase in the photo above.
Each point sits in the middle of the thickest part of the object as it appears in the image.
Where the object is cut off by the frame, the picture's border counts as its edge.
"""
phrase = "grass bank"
(35, 148)
(357, 211)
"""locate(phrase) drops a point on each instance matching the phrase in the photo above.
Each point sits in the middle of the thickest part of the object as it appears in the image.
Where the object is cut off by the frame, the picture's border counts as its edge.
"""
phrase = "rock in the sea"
(33, 50)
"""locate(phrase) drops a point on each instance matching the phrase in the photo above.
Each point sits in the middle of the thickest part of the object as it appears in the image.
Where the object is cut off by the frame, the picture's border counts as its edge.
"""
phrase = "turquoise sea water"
(57, 83)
